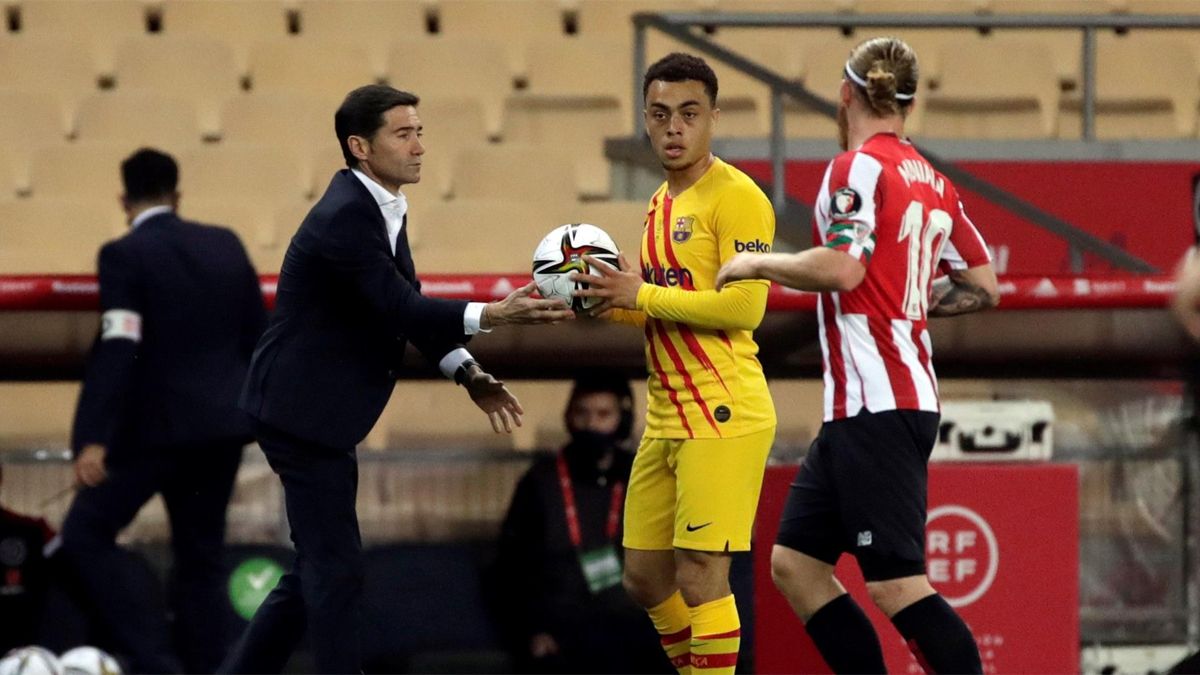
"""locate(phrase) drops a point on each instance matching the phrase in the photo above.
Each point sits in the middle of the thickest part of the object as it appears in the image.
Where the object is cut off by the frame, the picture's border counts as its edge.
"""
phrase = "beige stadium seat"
(202, 69)
(54, 64)
(56, 236)
(26, 115)
(515, 171)
(624, 221)
(416, 417)
(614, 17)
(452, 234)
(1138, 97)
(263, 116)
(267, 175)
(518, 22)
(139, 117)
(1050, 6)
(451, 125)
(323, 163)
(286, 220)
(920, 6)
(35, 415)
(82, 170)
(312, 67)
(454, 67)
(238, 23)
(90, 24)
(994, 88)
(377, 26)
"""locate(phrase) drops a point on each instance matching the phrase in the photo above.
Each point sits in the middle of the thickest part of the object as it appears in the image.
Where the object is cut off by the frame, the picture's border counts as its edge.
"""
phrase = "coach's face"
(680, 121)
(392, 156)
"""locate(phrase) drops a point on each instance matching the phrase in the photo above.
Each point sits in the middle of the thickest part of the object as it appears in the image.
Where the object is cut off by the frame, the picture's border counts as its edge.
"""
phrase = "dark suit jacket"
(202, 313)
(345, 309)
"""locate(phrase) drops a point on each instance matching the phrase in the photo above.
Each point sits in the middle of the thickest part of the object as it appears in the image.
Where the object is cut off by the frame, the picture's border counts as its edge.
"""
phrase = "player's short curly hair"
(678, 67)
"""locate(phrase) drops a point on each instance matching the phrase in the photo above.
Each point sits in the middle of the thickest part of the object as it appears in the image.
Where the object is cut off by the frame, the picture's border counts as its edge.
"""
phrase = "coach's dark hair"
(361, 114)
(149, 174)
(889, 67)
(607, 382)
(678, 67)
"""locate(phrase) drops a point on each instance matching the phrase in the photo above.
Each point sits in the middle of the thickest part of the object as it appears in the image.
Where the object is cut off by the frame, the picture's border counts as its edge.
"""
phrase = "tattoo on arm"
(952, 295)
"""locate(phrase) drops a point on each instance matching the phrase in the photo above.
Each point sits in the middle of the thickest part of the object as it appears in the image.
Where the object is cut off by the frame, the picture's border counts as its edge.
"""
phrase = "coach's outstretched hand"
(503, 409)
(617, 288)
(521, 307)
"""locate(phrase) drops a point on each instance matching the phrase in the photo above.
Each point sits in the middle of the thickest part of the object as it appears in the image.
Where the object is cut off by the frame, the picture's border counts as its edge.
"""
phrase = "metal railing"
(678, 26)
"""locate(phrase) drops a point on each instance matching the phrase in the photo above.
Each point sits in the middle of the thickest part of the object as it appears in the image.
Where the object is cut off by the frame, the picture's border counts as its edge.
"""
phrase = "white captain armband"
(121, 324)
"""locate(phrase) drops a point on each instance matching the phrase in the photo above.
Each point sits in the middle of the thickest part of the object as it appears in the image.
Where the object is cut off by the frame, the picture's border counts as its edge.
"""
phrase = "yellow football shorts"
(697, 494)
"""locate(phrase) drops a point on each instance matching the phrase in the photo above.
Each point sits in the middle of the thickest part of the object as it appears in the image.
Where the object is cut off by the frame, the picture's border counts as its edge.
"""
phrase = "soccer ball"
(88, 661)
(30, 661)
(561, 254)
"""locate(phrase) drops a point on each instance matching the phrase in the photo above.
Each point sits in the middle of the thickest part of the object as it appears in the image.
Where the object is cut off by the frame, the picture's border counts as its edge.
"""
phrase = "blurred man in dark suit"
(181, 313)
(348, 303)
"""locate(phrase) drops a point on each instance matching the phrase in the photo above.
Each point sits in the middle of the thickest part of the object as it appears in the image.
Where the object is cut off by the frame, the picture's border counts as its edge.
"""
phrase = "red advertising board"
(1002, 546)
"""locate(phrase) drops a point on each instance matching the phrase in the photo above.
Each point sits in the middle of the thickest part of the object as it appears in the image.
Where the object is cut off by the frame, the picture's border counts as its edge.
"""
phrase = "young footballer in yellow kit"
(710, 420)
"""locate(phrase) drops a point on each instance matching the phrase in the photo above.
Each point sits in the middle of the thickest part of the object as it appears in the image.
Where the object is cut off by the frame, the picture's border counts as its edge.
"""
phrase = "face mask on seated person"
(586, 449)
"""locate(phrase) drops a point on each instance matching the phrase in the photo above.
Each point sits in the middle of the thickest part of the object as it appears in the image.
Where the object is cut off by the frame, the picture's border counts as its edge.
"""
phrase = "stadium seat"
(921, 7)
(1050, 6)
(93, 26)
(311, 67)
(378, 26)
(139, 117)
(521, 22)
(198, 68)
(300, 120)
(451, 241)
(515, 171)
(55, 236)
(83, 170)
(238, 23)
(614, 17)
(1138, 97)
(26, 115)
(285, 221)
(322, 163)
(454, 68)
(994, 88)
(267, 175)
(53, 64)
(415, 417)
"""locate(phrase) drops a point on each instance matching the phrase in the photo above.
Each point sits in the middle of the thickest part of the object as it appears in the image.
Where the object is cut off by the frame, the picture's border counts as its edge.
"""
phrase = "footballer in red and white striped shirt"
(885, 223)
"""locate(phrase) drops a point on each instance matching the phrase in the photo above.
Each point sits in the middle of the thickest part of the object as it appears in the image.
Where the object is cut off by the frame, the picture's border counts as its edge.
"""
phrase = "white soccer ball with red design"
(560, 254)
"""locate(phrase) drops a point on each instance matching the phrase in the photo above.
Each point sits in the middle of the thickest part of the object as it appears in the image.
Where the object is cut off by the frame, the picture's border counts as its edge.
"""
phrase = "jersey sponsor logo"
(755, 246)
(701, 526)
(668, 276)
(916, 171)
(845, 203)
(722, 413)
(682, 231)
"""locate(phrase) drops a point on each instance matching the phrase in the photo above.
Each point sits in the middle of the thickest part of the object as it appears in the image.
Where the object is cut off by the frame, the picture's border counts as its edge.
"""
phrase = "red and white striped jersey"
(886, 206)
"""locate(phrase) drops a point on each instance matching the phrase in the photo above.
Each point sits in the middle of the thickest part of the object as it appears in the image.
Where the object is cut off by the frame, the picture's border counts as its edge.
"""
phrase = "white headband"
(863, 83)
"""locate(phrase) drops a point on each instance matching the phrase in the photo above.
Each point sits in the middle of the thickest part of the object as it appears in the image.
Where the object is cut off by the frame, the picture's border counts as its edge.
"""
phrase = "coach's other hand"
(521, 307)
(617, 288)
(89, 465)
(503, 409)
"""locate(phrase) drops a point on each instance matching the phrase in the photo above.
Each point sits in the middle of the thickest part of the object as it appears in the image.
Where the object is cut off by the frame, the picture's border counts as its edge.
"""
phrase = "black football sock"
(938, 636)
(845, 637)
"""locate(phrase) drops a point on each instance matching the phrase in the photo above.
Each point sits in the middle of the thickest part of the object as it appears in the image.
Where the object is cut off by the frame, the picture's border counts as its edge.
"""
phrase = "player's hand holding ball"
(576, 263)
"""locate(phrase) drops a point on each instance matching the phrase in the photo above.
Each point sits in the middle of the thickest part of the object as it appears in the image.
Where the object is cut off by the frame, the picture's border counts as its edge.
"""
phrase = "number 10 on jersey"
(924, 250)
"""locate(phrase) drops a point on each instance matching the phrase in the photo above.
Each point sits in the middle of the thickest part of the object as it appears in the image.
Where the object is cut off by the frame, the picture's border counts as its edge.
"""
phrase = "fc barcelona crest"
(683, 229)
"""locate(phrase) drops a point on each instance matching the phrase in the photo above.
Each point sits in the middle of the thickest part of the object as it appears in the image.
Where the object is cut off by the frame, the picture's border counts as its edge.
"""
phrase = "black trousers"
(323, 590)
(195, 483)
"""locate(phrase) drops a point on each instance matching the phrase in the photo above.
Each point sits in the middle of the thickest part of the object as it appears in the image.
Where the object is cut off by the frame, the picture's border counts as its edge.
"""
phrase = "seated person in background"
(24, 576)
(558, 569)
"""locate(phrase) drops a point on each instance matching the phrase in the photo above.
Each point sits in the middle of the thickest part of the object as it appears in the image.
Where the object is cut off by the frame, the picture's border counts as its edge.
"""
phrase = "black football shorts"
(862, 490)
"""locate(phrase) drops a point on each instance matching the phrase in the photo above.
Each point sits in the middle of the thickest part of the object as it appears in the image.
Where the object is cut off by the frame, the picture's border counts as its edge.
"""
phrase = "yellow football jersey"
(705, 379)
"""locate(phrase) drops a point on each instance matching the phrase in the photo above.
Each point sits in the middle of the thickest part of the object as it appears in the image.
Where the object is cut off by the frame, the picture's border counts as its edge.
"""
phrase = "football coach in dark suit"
(157, 413)
(348, 302)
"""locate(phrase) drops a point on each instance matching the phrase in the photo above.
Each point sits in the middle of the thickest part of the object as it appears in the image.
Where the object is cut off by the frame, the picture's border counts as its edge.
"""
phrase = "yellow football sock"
(672, 620)
(716, 637)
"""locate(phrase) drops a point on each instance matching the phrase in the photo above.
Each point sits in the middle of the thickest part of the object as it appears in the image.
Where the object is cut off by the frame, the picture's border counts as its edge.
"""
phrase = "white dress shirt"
(149, 213)
(394, 207)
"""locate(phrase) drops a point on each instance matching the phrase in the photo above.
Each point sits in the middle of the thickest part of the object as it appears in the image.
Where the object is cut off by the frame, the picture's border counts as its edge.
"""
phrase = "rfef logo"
(962, 554)
(756, 246)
